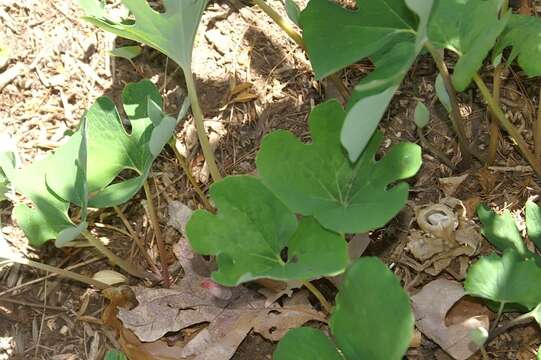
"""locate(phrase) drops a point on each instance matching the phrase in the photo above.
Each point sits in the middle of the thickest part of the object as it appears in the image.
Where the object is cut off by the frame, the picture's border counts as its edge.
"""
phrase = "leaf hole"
(284, 254)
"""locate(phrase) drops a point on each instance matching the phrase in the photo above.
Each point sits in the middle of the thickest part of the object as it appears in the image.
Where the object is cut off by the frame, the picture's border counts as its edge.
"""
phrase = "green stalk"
(158, 233)
(319, 296)
(506, 124)
(200, 127)
(537, 131)
(62, 272)
(456, 118)
(494, 129)
(115, 260)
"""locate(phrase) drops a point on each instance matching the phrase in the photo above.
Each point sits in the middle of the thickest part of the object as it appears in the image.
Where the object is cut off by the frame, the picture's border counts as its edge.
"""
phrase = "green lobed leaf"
(523, 35)
(293, 11)
(126, 52)
(306, 344)
(533, 222)
(501, 230)
(421, 116)
(318, 179)
(372, 320)
(469, 28)
(172, 32)
(251, 231)
(506, 279)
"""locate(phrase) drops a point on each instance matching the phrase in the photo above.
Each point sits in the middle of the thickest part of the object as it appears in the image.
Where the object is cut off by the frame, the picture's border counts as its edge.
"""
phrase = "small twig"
(35, 281)
(10, 74)
(456, 118)
(484, 353)
(62, 272)
(506, 124)
(183, 164)
(42, 319)
(158, 233)
(136, 238)
(537, 131)
(114, 259)
(436, 152)
(494, 128)
(319, 296)
(26, 303)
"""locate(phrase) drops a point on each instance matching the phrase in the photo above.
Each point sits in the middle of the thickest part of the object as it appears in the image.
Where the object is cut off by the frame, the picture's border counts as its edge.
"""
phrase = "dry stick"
(115, 260)
(494, 128)
(200, 127)
(182, 162)
(62, 272)
(456, 118)
(136, 238)
(158, 233)
(506, 124)
(35, 281)
(318, 295)
(537, 133)
(285, 25)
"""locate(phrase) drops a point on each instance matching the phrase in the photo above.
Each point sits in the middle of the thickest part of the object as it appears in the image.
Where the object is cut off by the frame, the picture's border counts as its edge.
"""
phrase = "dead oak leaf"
(430, 318)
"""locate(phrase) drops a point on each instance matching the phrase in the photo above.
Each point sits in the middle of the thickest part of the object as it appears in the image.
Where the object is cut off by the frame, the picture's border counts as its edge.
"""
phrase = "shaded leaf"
(115, 355)
(171, 32)
(318, 179)
(501, 230)
(506, 279)
(306, 343)
(421, 116)
(533, 222)
(372, 319)
(442, 94)
(253, 229)
(470, 29)
(293, 11)
(126, 52)
(8, 162)
(523, 35)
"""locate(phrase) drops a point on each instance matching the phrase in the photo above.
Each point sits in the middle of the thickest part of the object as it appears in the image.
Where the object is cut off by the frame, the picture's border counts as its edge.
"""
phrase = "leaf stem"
(62, 272)
(494, 128)
(158, 233)
(319, 296)
(456, 118)
(537, 131)
(200, 127)
(115, 260)
(287, 27)
(506, 124)
(521, 319)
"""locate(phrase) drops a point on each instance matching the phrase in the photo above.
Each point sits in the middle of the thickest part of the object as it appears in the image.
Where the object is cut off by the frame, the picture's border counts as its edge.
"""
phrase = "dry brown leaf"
(430, 318)
(449, 185)
(356, 247)
(198, 300)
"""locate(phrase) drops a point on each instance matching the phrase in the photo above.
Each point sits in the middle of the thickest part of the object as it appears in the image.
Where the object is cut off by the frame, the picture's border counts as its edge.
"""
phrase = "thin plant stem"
(494, 128)
(200, 127)
(287, 27)
(158, 233)
(62, 272)
(537, 131)
(498, 316)
(183, 164)
(507, 125)
(484, 353)
(456, 118)
(319, 296)
(521, 319)
(114, 259)
(136, 238)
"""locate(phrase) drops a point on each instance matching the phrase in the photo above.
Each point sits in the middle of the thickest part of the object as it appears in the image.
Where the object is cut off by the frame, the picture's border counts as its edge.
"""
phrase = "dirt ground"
(63, 65)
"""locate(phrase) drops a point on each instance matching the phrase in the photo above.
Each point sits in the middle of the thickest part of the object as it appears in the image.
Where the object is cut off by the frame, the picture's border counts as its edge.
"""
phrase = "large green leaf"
(501, 230)
(390, 32)
(372, 320)
(506, 279)
(523, 34)
(306, 344)
(318, 179)
(533, 222)
(350, 36)
(172, 32)
(253, 229)
(469, 28)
